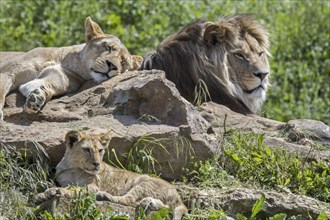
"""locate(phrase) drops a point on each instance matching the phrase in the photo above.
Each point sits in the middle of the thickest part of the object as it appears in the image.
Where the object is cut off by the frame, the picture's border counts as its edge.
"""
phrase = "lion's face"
(239, 49)
(249, 67)
(105, 55)
(86, 150)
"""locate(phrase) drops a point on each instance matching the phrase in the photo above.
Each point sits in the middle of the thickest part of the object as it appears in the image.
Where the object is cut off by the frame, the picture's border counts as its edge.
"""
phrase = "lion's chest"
(74, 178)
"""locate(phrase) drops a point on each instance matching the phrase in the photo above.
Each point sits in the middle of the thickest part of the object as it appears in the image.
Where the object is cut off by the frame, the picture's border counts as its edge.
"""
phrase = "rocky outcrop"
(143, 109)
(146, 113)
(241, 200)
(309, 137)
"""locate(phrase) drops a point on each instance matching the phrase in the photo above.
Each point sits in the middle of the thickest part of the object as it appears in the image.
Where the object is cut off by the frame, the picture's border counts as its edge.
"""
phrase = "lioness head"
(105, 55)
(242, 45)
(86, 150)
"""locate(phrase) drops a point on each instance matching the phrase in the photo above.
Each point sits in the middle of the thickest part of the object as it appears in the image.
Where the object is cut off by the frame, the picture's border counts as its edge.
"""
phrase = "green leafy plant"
(209, 173)
(248, 159)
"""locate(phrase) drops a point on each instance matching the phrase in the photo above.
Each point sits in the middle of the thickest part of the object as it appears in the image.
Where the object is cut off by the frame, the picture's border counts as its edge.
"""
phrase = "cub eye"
(260, 54)
(123, 62)
(239, 56)
(101, 150)
(87, 150)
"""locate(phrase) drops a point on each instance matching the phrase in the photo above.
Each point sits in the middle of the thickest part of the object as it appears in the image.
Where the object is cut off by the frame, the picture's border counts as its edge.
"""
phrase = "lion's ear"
(215, 33)
(72, 137)
(136, 62)
(92, 29)
(105, 139)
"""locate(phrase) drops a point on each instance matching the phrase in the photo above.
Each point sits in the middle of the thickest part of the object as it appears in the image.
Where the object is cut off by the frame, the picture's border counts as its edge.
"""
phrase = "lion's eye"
(123, 62)
(260, 54)
(109, 49)
(87, 150)
(239, 56)
(101, 150)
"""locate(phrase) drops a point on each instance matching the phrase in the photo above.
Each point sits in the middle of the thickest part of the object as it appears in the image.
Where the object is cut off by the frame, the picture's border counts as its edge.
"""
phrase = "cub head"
(238, 46)
(86, 150)
(105, 55)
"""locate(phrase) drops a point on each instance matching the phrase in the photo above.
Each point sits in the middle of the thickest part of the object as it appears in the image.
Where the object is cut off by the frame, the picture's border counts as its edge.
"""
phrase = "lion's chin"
(258, 89)
(93, 172)
(97, 77)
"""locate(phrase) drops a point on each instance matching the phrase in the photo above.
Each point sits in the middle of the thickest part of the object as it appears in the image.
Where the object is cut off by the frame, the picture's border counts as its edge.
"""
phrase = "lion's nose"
(96, 164)
(261, 75)
(111, 66)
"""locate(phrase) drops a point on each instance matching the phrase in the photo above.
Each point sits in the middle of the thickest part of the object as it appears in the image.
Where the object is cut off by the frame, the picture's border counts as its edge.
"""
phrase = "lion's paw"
(35, 101)
(51, 193)
(104, 196)
(151, 204)
(47, 195)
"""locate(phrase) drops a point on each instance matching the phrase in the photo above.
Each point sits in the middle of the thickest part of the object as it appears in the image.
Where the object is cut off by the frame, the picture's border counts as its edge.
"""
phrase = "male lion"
(230, 57)
(82, 165)
(42, 73)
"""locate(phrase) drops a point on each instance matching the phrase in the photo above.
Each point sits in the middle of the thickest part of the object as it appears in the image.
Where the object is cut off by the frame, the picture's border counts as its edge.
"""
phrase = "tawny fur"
(230, 56)
(82, 165)
(42, 73)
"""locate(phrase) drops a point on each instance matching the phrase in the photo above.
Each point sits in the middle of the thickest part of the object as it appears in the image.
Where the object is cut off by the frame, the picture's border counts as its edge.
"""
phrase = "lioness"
(42, 73)
(82, 165)
(229, 56)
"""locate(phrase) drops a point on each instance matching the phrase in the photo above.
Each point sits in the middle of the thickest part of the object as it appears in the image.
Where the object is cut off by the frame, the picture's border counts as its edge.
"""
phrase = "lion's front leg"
(53, 81)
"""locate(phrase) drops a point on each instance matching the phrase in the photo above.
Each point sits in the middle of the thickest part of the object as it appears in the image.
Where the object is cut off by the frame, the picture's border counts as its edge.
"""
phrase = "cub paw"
(35, 101)
(47, 195)
(104, 196)
(151, 204)
(51, 193)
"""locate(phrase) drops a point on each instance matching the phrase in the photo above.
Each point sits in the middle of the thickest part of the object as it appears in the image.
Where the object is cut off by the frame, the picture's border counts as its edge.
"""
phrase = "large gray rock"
(241, 200)
(309, 137)
(143, 109)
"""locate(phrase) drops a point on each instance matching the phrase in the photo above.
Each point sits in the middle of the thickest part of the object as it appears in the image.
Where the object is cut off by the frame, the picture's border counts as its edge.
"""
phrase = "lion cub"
(82, 165)
(44, 72)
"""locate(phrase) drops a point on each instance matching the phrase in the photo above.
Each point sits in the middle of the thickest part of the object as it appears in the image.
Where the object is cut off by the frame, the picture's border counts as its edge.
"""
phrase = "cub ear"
(72, 137)
(215, 33)
(105, 139)
(136, 62)
(92, 30)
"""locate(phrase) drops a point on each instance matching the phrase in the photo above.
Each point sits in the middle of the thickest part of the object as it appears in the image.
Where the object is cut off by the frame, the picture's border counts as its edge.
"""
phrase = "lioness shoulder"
(42, 73)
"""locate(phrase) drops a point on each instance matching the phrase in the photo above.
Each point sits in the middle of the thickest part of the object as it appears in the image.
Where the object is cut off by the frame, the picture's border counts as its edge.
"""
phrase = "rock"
(304, 136)
(301, 129)
(143, 109)
(241, 200)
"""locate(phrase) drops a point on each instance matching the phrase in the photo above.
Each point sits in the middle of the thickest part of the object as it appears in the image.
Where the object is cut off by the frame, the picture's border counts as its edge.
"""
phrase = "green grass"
(251, 161)
(141, 159)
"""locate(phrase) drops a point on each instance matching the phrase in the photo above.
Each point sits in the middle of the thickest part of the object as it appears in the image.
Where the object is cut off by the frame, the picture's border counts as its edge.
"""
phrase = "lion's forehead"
(92, 142)
(112, 40)
(250, 45)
